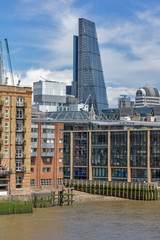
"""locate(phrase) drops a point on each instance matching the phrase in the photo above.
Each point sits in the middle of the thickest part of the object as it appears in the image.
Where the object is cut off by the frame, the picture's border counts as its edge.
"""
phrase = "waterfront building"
(49, 95)
(15, 135)
(147, 97)
(88, 79)
(46, 154)
(114, 150)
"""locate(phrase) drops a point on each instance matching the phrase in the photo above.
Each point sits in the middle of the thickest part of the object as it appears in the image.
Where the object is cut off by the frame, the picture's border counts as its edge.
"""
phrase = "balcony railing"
(21, 143)
(21, 156)
(23, 117)
(21, 170)
(21, 130)
(21, 105)
(5, 172)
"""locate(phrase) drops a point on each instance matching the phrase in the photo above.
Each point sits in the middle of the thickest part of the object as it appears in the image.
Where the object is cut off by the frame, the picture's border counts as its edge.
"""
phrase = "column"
(109, 156)
(90, 156)
(128, 157)
(148, 156)
(71, 155)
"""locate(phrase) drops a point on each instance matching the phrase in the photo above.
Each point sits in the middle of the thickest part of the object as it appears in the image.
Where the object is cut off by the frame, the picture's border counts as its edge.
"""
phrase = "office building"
(147, 97)
(49, 96)
(15, 135)
(88, 79)
(112, 151)
(46, 154)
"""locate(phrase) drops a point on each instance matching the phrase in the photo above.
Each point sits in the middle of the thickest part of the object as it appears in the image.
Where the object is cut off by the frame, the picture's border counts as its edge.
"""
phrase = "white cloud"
(34, 75)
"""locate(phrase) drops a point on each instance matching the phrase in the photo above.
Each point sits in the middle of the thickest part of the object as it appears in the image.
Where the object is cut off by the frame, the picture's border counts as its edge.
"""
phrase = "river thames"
(96, 220)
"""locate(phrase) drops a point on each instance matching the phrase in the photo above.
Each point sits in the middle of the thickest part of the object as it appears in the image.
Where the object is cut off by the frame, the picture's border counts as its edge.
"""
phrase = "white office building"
(49, 96)
(147, 97)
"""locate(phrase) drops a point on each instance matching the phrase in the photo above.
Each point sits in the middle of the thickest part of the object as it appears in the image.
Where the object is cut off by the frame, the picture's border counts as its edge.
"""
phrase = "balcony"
(33, 154)
(4, 172)
(47, 145)
(21, 117)
(20, 130)
(21, 169)
(21, 143)
(21, 105)
(47, 154)
(21, 156)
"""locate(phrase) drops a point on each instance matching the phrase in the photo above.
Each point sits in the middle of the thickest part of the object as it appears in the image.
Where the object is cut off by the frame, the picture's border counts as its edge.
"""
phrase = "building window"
(33, 150)
(32, 182)
(19, 125)
(61, 169)
(48, 130)
(60, 140)
(19, 101)
(32, 160)
(33, 140)
(20, 113)
(18, 165)
(6, 126)
(32, 169)
(46, 160)
(61, 150)
(46, 169)
(7, 100)
(34, 130)
(60, 181)
(6, 139)
(6, 113)
(6, 152)
(47, 140)
(19, 151)
(19, 138)
(60, 160)
(46, 182)
(60, 131)
(18, 181)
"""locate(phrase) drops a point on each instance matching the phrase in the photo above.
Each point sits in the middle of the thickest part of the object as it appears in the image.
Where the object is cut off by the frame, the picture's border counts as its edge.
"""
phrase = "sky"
(40, 36)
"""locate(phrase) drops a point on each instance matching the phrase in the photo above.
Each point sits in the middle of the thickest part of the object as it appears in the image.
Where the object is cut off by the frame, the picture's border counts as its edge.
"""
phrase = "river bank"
(82, 197)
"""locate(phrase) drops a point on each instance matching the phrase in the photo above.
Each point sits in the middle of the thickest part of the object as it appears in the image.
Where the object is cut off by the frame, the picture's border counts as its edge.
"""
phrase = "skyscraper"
(88, 79)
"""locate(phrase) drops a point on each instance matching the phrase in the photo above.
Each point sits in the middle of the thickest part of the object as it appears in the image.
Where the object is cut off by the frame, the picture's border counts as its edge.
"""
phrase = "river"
(98, 220)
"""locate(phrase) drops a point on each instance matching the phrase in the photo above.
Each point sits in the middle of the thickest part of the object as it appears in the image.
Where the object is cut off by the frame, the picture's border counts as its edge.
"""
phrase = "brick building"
(15, 134)
(46, 154)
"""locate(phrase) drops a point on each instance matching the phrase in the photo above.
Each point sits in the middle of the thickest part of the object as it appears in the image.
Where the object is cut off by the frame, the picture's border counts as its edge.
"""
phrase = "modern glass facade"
(113, 155)
(138, 148)
(119, 149)
(90, 73)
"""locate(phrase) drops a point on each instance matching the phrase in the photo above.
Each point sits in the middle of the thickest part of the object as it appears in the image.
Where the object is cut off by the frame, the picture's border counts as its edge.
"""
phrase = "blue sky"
(40, 40)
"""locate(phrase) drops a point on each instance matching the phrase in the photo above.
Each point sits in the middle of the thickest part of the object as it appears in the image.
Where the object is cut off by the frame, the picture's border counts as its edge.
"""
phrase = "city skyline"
(40, 40)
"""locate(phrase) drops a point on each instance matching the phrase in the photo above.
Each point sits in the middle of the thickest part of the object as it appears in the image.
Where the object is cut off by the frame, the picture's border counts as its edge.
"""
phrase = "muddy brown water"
(96, 220)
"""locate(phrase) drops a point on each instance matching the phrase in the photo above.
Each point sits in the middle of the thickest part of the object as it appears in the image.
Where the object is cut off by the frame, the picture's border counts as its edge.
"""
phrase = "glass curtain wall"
(80, 155)
(139, 175)
(155, 149)
(138, 149)
(119, 149)
(119, 174)
(66, 155)
(155, 175)
(100, 155)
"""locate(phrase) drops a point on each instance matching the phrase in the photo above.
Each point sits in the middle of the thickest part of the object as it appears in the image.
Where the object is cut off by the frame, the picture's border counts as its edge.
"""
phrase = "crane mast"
(1, 64)
(9, 62)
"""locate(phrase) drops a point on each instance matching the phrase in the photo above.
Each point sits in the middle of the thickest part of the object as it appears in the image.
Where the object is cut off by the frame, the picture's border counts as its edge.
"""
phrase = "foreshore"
(81, 197)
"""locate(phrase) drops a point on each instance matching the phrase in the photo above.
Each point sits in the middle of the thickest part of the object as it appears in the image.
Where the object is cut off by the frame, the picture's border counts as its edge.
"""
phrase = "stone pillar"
(109, 156)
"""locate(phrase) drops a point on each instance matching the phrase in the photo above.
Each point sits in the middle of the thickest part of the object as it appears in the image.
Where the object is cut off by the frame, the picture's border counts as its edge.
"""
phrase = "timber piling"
(134, 191)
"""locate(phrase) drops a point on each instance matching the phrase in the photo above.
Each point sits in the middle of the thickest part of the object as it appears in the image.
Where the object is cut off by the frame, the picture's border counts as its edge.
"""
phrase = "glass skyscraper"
(88, 79)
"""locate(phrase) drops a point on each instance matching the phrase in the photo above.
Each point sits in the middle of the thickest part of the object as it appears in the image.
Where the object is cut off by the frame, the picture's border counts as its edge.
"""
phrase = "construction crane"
(9, 62)
(129, 93)
(1, 64)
